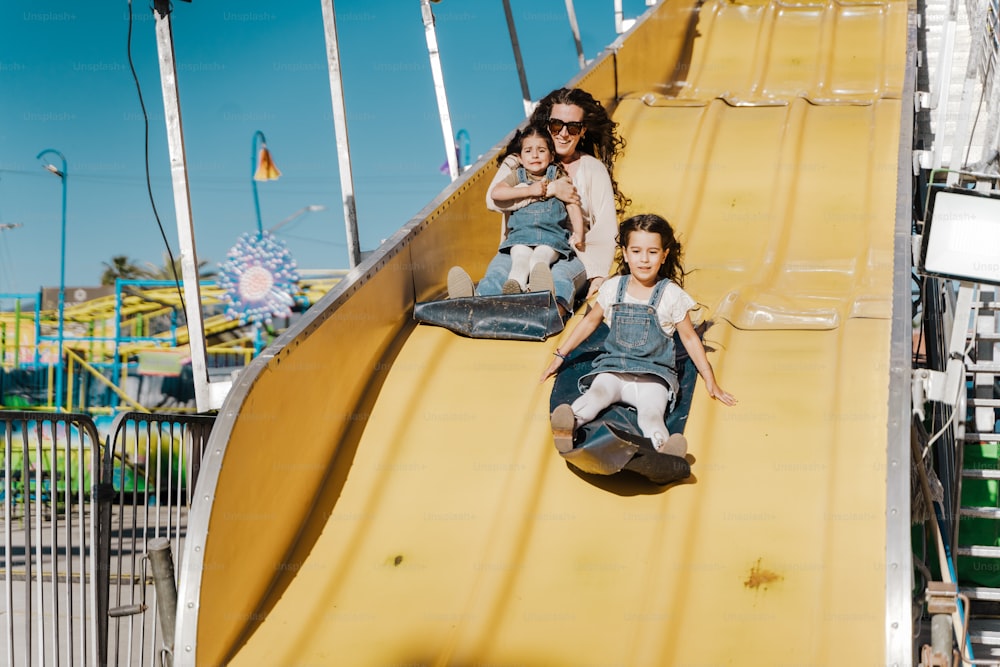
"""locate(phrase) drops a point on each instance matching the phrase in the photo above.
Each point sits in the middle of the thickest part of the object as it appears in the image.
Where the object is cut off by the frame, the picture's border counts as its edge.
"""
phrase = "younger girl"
(537, 231)
(642, 306)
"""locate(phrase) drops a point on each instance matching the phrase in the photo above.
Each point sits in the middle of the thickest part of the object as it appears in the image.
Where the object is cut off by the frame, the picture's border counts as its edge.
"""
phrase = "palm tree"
(121, 267)
(172, 270)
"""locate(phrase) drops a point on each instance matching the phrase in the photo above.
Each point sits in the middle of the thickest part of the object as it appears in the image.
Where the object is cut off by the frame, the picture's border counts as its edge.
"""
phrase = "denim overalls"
(636, 342)
(539, 223)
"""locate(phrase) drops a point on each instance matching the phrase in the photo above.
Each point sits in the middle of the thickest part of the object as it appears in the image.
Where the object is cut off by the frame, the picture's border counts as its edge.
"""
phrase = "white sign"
(962, 237)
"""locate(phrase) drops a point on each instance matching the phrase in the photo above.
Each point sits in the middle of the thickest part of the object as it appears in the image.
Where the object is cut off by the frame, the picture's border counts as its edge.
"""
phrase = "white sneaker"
(540, 279)
(459, 283)
(675, 445)
(563, 424)
(511, 286)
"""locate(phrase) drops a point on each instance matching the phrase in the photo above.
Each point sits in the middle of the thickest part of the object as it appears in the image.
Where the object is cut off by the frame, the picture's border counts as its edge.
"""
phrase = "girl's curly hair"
(654, 224)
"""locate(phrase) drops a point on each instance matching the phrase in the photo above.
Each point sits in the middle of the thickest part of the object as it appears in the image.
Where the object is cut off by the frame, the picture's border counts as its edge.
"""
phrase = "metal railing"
(80, 518)
(50, 592)
(152, 462)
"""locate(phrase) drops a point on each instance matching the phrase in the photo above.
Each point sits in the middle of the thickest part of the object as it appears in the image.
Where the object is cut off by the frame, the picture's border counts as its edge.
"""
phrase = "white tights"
(523, 257)
(646, 394)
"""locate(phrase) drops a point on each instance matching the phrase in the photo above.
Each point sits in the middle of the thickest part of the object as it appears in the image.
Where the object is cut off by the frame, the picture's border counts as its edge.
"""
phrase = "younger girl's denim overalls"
(543, 222)
(636, 342)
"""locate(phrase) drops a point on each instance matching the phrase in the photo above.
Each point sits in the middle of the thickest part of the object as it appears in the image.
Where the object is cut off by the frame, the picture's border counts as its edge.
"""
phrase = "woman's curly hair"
(601, 139)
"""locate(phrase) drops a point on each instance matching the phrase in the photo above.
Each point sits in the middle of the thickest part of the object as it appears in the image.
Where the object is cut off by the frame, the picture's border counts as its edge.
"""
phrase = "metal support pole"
(944, 64)
(182, 208)
(941, 636)
(463, 142)
(514, 44)
(340, 129)
(955, 368)
(442, 97)
(61, 371)
(576, 33)
(61, 377)
(38, 327)
(17, 338)
(166, 592)
(116, 362)
(102, 469)
(253, 181)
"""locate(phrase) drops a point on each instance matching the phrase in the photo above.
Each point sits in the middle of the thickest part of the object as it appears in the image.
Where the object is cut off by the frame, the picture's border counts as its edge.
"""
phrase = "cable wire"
(968, 349)
(149, 184)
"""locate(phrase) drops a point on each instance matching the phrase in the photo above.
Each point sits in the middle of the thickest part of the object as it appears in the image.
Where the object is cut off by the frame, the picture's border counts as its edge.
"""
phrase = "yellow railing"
(244, 355)
(73, 358)
(233, 354)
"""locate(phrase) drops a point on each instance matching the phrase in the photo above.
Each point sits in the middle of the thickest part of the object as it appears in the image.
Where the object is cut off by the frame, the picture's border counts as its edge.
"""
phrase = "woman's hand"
(577, 242)
(563, 190)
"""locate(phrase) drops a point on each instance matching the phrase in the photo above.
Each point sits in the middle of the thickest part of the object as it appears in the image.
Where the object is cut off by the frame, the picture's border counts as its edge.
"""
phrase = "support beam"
(182, 208)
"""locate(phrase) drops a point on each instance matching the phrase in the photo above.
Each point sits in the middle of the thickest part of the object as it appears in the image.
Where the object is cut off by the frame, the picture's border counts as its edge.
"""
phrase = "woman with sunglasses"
(587, 144)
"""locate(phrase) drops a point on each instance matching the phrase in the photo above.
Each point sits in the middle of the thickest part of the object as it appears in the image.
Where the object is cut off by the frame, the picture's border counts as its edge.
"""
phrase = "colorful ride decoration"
(259, 279)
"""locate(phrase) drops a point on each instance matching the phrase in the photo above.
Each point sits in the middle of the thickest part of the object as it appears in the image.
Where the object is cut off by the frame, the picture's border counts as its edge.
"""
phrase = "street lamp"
(312, 208)
(261, 169)
(62, 174)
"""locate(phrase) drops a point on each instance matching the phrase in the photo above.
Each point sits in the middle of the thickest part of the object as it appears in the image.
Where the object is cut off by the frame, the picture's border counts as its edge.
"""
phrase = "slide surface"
(382, 493)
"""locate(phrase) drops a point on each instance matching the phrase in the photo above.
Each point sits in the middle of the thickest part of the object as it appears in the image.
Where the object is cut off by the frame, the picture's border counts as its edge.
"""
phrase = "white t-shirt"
(673, 307)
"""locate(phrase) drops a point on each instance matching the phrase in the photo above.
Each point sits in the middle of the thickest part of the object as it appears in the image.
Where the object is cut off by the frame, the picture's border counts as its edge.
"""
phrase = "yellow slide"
(381, 493)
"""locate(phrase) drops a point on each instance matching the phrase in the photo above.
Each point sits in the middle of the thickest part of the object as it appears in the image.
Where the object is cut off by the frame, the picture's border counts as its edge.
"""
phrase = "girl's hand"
(577, 242)
(595, 284)
(564, 190)
(716, 392)
(552, 369)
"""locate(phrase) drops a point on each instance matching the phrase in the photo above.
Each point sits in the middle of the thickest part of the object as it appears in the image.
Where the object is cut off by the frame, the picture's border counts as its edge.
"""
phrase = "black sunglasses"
(574, 127)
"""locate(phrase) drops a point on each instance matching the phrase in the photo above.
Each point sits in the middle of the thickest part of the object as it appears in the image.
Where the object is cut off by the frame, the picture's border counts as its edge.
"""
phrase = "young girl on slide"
(543, 228)
(642, 306)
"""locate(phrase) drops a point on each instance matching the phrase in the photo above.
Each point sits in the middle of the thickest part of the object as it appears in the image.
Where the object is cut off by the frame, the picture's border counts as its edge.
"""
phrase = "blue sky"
(65, 84)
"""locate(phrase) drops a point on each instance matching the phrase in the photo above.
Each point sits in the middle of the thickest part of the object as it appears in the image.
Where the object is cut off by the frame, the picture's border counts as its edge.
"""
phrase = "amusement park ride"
(126, 347)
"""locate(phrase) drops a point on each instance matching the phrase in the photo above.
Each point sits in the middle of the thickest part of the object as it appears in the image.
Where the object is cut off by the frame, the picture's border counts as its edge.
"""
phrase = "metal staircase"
(977, 427)
(956, 389)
